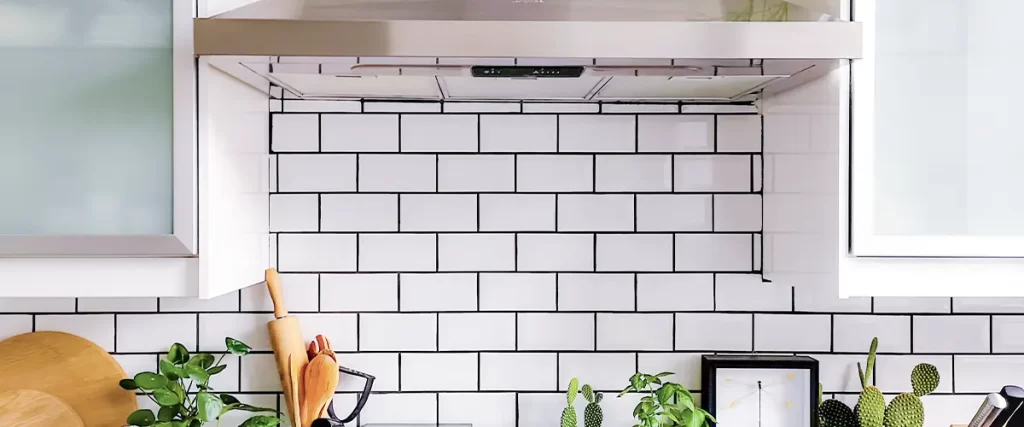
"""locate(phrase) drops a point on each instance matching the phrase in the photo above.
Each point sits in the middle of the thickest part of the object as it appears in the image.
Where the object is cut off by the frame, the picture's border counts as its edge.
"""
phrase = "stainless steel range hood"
(565, 50)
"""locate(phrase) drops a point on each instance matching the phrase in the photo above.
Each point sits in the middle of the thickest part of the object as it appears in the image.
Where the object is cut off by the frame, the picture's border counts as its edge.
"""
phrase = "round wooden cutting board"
(73, 369)
(31, 408)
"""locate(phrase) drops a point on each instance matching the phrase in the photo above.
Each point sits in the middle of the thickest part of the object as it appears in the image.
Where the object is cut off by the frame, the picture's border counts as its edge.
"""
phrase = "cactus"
(866, 374)
(834, 413)
(871, 407)
(593, 415)
(569, 413)
(905, 410)
(924, 379)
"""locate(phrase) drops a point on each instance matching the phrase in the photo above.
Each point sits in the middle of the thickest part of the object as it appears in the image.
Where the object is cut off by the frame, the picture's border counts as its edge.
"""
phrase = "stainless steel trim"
(78, 246)
(697, 40)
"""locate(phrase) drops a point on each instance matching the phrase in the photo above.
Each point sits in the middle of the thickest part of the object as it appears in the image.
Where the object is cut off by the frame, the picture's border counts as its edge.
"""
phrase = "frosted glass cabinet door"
(86, 117)
(937, 150)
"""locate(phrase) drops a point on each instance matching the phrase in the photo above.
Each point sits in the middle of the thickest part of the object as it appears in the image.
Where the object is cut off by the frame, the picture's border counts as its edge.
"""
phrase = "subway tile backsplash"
(475, 260)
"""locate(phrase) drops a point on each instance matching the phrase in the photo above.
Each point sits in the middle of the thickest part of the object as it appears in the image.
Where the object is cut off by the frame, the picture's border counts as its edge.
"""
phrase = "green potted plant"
(171, 389)
(667, 405)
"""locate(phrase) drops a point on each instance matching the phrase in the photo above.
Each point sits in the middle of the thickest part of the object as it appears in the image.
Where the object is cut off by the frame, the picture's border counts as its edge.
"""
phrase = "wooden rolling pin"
(289, 348)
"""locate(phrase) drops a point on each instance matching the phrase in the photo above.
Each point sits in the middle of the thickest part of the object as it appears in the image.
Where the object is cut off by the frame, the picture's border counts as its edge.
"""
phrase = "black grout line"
(702, 154)
(623, 193)
(619, 273)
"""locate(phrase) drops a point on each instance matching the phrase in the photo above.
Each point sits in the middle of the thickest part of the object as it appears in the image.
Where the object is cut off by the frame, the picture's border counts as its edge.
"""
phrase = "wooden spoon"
(320, 381)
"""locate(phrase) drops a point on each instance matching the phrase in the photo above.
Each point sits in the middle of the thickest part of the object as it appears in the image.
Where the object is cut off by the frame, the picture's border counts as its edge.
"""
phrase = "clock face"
(762, 397)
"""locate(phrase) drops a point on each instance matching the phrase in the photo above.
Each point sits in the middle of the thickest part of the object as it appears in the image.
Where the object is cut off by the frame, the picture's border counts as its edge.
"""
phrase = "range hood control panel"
(526, 72)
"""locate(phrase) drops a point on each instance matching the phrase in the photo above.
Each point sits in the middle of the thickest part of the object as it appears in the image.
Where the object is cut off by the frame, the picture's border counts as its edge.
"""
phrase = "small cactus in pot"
(593, 415)
(569, 413)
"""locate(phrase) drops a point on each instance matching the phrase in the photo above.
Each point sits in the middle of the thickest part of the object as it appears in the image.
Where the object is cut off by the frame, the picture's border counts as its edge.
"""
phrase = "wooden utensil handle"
(274, 286)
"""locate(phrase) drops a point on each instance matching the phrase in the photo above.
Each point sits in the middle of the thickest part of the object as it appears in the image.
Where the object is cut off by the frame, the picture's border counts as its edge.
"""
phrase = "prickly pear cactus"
(871, 407)
(924, 379)
(905, 410)
(593, 415)
(834, 413)
(569, 413)
(865, 374)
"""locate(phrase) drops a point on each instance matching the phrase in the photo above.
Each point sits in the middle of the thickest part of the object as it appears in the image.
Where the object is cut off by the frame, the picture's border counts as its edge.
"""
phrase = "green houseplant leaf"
(150, 380)
(171, 371)
(228, 399)
(128, 384)
(209, 406)
(197, 374)
(178, 354)
(167, 413)
(178, 390)
(142, 417)
(216, 369)
(165, 397)
(170, 424)
(261, 421)
(202, 360)
(237, 347)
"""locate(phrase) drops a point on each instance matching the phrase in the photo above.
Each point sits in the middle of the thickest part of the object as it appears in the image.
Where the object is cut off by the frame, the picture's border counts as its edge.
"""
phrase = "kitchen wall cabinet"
(124, 156)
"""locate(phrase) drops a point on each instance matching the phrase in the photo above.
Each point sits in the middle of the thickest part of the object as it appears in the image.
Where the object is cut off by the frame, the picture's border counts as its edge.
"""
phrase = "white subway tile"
(359, 292)
(714, 332)
(476, 331)
(154, 332)
(37, 305)
(259, 373)
(401, 107)
(248, 328)
(806, 173)
(407, 408)
(136, 363)
(119, 304)
(853, 333)
(98, 328)
(799, 212)
(316, 172)
(943, 408)
(437, 292)
(633, 331)
(555, 107)
(397, 332)
(518, 133)
(595, 292)
(737, 212)
(821, 294)
(438, 371)
(673, 212)
(892, 372)
(517, 291)
(397, 172)
(739, 133)
(518, 371)
(14, 324)
(517, 212)
(597, 133)
(1008, 334)
(359, 132)
(838, 372)
(677, 133)
(439, 133)
(397, 252)
(595, 212)
(359, 212)
(553, 173)
(320, 106)
(341, 329)
(951, 334)
(634, 252)
(226, 302)
(791, 332)
(712, 173)
(538, 409)
(787, 133)
(603, 371)
(986, 374)
(480, 107)
(300, 294)
(476, 252)
(675, 292)
(714, 252)
(748, 292)
(294, 212)
(556, 331)
(556, 252)
(911, 305)
(476, 172)
(803, 252)
(295, 132)
(636, 173)
(383, 366)
(438, 212)
(988, 305)
(317, 252)
(640, 108)
(685, 367)
(478, 409)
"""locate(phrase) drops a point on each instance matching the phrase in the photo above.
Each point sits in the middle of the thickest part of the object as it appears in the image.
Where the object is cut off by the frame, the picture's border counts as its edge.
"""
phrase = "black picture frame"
(710, 364)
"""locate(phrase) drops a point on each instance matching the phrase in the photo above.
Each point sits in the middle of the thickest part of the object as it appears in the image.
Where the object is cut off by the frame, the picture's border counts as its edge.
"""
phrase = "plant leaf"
(216, 370)
(171, 371)
(209, 406)
(202, 360)
(167, 413)
(178, 390)
(170, 424)
(142, 417)
(237, 347)
(165, 397)
(261, 421)
(696, 418)
(637, 382)
(178, 354)
(251, 408)
(664, 395)
(150, 381)
(128, 384)
(197, 374)
(228, 399)
(664, 374)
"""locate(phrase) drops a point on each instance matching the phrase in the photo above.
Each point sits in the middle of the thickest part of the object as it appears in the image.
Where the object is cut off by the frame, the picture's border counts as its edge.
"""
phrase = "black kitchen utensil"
(333, 420)
(1011, 416)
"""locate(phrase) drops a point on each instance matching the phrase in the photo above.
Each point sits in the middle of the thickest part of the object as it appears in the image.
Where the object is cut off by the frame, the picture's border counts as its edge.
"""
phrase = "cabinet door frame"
(183, 241)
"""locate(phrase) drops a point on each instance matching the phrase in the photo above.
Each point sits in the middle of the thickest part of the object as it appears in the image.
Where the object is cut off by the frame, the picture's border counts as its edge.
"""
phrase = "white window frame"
(183, 241)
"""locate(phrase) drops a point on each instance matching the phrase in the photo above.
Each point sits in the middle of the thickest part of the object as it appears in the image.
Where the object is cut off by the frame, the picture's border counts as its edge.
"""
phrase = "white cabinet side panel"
(99, 277)
(233, 191)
